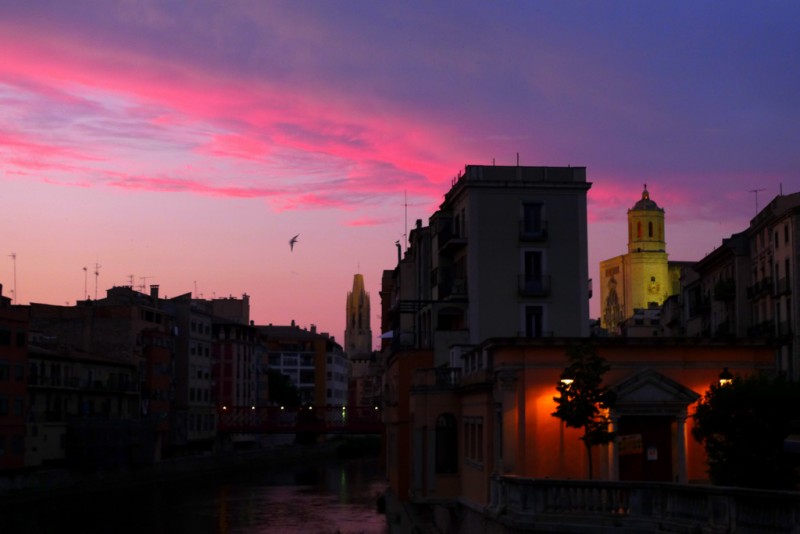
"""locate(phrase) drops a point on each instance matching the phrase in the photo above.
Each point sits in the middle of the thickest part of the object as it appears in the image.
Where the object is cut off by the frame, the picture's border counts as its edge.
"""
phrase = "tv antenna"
(96, 276)
(405, 217)
(85, 283)
(144, 283)
(756, 193)
(13, 257)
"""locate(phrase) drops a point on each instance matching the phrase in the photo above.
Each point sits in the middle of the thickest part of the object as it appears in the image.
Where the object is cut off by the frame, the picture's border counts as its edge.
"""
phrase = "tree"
(742, 426)
(281, 389)
(583, 400)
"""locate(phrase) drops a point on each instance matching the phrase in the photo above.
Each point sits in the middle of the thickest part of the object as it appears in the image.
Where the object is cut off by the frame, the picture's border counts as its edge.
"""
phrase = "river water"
(335, 496)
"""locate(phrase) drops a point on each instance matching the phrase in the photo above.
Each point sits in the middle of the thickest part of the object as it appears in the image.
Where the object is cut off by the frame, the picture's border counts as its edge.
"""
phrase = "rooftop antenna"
(13, 257)
(96, 276)
(756, 192)
(143, 285)
(130, 280)
(405, 206)
(85, 283)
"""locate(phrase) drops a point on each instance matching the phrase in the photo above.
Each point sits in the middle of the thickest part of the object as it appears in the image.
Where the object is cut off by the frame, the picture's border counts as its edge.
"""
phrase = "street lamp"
(567, 378)
(725, 377)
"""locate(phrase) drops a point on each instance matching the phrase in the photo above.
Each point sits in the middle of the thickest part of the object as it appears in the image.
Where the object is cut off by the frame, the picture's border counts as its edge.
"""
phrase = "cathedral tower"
(642, 277)
(358, 334)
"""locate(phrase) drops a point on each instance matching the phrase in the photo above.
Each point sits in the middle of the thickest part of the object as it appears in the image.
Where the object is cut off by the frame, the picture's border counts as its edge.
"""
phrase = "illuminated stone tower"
(357, 334)
(642, 277)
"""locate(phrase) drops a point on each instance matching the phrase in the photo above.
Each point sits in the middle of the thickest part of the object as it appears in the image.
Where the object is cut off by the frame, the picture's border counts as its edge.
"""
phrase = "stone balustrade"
(604, 505)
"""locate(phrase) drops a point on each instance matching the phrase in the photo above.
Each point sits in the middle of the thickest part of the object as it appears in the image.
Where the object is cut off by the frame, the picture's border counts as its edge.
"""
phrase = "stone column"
(613, 449)
(505, 398)
(681, 437)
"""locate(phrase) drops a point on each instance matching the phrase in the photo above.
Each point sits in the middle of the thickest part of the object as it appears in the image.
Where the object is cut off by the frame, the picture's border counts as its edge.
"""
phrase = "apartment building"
(312, 360)
(505, 255)
(194, 407)
(774, 236)
(13, 383)
(745, 287)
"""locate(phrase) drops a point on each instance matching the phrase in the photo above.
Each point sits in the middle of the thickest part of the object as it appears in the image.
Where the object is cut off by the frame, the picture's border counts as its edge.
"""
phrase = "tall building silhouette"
(358, 334)
(643, 278)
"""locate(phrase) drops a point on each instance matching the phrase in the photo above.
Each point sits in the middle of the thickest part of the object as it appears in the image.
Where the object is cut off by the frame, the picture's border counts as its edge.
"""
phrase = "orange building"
(493, 416)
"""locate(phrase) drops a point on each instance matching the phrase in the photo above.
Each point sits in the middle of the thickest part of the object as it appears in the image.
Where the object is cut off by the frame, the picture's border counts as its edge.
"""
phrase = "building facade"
(505, 255)
(315, 364)
(13, 383)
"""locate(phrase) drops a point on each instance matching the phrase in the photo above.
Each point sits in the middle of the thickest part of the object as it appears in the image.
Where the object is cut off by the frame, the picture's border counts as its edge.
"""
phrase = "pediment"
(647, 387)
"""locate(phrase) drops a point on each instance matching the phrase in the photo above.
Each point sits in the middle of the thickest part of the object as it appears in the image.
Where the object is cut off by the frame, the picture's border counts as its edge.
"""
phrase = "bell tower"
(358, 334)
(648, 269)
(646, 226)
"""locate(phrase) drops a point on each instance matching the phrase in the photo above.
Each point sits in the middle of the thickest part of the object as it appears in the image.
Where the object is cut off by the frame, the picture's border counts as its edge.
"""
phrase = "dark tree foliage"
(281, 389)
(584, 402)
(742, 426)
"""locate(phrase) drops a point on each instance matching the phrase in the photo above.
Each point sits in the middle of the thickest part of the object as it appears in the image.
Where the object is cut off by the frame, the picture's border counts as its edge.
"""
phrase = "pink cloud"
(370, 221)
(237, 146)
(252, 119)
(176, 185)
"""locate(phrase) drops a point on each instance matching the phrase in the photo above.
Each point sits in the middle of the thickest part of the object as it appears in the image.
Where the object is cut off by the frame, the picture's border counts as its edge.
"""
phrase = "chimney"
(313, 329)
(154, 291)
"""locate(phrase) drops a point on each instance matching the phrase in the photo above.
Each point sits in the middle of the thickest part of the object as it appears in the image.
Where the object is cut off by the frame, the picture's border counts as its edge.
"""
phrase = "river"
(333, 496)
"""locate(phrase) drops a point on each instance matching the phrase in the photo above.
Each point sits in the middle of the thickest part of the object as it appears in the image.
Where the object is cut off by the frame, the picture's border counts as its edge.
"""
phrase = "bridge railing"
(641, 505)
(276, 419)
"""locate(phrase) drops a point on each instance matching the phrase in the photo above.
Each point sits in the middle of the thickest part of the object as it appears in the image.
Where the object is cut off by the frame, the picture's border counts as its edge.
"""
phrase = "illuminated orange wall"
(536, 444)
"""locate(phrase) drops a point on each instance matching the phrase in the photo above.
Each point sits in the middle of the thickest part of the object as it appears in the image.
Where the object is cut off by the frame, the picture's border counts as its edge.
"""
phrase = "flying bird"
(292, 241)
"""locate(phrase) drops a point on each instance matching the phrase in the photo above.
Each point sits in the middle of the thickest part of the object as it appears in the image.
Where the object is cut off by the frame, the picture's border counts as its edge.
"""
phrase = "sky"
(183, 143)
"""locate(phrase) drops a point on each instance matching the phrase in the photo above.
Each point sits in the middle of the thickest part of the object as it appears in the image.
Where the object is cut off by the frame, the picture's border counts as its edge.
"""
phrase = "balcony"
(782, 286)
(534, 286)
(762, 329)
(450, 240)
(536, 232)
(760, 288)
(453, 288)
(725, 290)
(438, 378)
(784, 329)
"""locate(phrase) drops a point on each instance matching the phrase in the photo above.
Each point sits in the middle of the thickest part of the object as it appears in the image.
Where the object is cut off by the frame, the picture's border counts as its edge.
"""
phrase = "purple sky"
(183, 143)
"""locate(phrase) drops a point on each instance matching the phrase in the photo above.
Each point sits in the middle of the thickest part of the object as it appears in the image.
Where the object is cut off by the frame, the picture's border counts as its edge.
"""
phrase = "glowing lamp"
(725, 377)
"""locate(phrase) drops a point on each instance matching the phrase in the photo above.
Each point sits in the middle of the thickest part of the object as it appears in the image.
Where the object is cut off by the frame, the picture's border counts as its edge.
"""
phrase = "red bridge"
(284, 420)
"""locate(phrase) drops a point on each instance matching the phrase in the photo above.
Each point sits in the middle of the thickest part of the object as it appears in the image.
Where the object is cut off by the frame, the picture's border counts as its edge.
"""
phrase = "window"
(473, 439)
(650, 229)
(639, 230)
(534, 320)
(785, 233)
(776, 240)
(532, 219)
(446, 444)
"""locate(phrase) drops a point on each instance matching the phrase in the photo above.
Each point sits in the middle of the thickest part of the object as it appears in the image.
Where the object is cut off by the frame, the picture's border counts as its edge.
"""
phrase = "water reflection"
(336, 497)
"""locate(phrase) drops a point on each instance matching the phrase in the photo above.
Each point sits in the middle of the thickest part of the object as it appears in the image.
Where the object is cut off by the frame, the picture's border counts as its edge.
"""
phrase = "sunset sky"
(183, 143)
